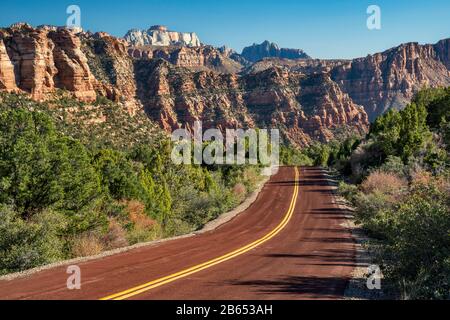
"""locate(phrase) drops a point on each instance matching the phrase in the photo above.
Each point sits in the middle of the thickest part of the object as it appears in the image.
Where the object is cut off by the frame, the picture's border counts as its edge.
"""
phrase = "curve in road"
(290, 244)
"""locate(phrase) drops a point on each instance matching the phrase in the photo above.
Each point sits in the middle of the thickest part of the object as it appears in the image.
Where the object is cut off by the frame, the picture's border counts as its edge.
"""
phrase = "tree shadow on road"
(303, 287)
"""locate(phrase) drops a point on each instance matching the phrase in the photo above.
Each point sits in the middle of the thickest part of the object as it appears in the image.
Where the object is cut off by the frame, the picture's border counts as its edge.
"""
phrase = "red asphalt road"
(311, 258)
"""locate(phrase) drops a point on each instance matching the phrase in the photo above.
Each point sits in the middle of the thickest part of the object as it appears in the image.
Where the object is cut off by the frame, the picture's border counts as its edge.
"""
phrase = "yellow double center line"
(162, 281)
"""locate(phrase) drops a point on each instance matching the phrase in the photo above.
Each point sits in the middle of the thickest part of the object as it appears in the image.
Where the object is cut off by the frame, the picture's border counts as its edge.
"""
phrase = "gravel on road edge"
(357, 286)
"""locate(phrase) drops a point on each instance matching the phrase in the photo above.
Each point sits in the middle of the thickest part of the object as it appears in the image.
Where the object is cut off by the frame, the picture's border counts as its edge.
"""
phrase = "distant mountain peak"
(159, 35)
(268, 49)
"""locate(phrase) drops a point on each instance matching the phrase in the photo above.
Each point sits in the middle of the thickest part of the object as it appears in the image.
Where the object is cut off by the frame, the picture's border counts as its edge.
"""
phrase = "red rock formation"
(329, 108)
(7, 77)
(380, 81)
(113, 69)
(32, 55)
(273, 98)
(73, 72)
(45, 59)
(391, 78)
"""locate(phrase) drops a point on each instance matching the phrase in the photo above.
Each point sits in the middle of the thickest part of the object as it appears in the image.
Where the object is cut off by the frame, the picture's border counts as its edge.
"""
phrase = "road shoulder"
(357, 286)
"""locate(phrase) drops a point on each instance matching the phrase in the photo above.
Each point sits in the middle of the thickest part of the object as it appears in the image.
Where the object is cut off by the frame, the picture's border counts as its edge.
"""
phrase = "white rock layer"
(160, 36)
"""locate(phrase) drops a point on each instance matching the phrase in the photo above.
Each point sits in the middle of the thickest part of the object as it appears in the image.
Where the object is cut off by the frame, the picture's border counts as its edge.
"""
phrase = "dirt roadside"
(357, 287)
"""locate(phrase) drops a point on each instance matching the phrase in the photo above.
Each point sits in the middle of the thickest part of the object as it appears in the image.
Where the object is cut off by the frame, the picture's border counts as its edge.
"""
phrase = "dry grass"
(251, 176)
(421, 177)
(116, 237)
(239, 190)
(443, 184)
(145, 228)
(425, 178)
(136, 212)
(86, 245)
(386, 183)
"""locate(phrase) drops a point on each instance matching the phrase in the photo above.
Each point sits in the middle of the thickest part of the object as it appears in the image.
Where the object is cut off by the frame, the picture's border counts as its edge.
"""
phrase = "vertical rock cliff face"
(45, 59)
(73, 72)
(31, 54)
(328, 107)
(442, 49)
(112, 68)
(391, 78)
(380, 81)
(177, 97)
(7, 77)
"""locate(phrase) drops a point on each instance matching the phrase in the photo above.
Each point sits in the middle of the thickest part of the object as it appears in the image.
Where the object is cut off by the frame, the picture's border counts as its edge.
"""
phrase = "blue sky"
(324, 29)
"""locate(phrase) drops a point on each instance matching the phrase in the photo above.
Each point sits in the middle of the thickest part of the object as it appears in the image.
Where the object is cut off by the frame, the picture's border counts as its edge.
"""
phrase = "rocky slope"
(381, 81)
(391, 78)
(304, 108)
(267, 49)
(160, 36)
(306, 66)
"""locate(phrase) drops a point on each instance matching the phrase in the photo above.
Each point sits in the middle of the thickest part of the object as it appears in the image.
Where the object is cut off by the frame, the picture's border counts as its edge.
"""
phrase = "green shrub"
(368, 208)
(28, 244)
(417, 247)
(410, 222)
(85, 245)
(348, 191)
(292, 156)
(40, 169)
(394, 165)
(118, 177)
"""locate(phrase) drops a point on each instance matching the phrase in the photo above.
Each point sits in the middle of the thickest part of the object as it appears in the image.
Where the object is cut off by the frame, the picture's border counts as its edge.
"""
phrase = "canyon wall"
(307, 99)
(390, 79)
(304, 108)
(194, 58)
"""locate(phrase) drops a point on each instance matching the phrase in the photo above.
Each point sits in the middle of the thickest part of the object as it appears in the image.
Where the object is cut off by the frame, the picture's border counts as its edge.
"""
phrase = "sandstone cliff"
(112, 68)
(391, 78)
(7, 76)
(381, 81)
(44, 59)
(306, 66)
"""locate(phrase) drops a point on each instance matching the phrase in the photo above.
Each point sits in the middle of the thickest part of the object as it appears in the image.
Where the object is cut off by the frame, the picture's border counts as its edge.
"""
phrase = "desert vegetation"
(398, 180)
